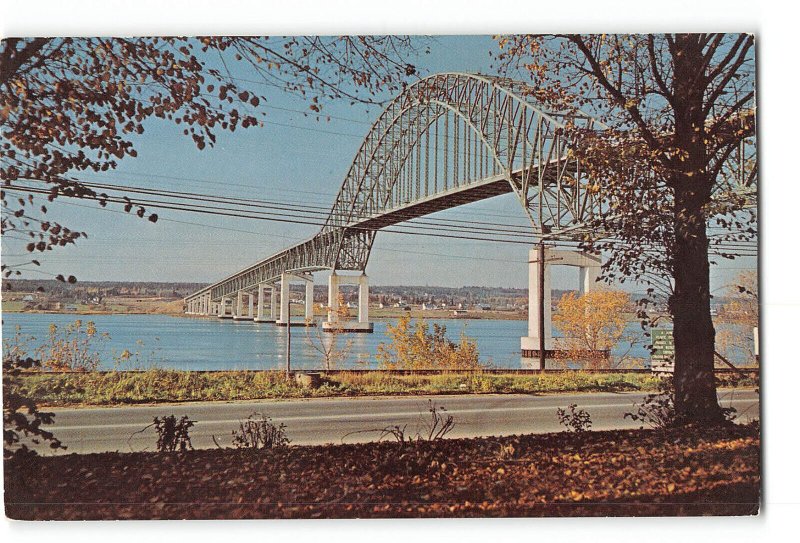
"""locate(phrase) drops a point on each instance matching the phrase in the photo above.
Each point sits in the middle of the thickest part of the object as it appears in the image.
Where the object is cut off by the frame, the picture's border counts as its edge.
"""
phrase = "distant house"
(71, 308)
(28, 298)
(459, 312)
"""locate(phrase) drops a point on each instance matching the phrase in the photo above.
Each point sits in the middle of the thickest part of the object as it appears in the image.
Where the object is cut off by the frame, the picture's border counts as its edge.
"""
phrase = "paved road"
(348, 420)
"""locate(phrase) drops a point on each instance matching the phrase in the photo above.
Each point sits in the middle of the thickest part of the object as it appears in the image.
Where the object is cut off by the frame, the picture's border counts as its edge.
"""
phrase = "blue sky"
(293, 158)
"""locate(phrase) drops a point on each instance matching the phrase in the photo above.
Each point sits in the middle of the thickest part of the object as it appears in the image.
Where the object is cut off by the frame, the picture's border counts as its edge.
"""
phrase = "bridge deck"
(454, 197)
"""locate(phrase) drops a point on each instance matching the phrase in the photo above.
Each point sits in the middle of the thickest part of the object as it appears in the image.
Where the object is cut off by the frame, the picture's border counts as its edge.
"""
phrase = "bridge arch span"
(447, 140)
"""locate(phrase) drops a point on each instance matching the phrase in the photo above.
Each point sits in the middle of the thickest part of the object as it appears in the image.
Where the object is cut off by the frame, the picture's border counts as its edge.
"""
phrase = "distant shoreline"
(415, 314)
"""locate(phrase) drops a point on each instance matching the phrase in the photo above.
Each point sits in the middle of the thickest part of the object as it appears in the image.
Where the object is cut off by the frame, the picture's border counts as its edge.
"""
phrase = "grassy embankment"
(162, 386)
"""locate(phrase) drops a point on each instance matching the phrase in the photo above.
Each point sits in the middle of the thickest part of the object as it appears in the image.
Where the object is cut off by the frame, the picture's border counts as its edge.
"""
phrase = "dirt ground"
(618, 473)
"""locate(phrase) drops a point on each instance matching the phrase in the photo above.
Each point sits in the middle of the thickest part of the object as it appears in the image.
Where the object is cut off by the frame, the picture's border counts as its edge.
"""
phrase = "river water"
(216, 344)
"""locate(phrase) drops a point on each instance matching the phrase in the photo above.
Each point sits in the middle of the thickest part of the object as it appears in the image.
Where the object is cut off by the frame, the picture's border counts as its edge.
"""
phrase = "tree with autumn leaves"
(678, 111)
(592, 322)
(75, 105)
(417, 347)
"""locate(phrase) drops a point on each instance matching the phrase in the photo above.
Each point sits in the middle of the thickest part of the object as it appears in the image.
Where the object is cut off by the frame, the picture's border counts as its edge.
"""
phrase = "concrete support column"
(363, 299)
(333, 298)
(260, 313)
(532, 341)
(310, 301)
(589, 266)
(243, 313)
(333, 322)
(266, 312)
(222, 309)
(285, 293)
(239, 304)
(588, 277)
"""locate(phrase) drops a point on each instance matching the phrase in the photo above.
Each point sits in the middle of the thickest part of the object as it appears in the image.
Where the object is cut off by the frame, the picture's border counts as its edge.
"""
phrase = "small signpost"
(662, 358)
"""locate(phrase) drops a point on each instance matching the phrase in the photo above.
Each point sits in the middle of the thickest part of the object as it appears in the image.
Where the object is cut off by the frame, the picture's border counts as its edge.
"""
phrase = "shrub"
(417, 347)
(173, 434)
(259, 432)
(438, 424)
(592, 322)
(658, 409)
(574, 419)
(72, 347)
(433, 428)
(21, 415)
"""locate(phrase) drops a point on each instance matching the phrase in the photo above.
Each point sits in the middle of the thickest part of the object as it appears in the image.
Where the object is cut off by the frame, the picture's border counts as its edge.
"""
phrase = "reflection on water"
(215, 344)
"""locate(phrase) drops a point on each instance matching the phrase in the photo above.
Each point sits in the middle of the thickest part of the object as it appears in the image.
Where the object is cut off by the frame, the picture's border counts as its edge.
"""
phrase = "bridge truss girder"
(447, 140)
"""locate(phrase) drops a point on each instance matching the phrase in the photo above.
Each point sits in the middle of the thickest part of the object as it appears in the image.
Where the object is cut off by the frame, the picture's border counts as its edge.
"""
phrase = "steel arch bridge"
(448, 140)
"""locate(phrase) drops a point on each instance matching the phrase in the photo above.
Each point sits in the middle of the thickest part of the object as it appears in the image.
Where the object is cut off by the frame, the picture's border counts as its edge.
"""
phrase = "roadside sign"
(662, 358)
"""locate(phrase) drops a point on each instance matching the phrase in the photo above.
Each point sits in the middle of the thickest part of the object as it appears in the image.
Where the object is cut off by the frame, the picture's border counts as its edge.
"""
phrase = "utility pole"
(542, 344)
(289, 341)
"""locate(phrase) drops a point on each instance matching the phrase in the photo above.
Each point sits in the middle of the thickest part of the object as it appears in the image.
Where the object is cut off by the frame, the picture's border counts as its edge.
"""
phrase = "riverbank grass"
(165, 386)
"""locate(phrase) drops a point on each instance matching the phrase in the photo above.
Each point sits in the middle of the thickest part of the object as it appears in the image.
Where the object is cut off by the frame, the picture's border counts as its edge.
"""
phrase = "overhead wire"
(428, 231)
(291, 238)
(314, 213)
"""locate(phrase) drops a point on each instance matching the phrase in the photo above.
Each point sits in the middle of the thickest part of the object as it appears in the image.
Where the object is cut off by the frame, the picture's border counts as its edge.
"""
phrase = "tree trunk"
(690, 305)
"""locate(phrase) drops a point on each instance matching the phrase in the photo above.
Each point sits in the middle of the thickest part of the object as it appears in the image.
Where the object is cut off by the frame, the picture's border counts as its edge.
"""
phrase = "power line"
(292, 238)
(298, 239)
(277, 189)
(289, 206)
(315, 213)
(285, 218)
(282, 217)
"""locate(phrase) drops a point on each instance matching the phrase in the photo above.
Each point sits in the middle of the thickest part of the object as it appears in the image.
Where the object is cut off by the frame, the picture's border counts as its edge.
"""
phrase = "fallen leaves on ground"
(635, 472)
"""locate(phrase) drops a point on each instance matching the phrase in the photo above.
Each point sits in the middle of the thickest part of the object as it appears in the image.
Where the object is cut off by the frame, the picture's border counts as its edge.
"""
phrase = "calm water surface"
(217, 344)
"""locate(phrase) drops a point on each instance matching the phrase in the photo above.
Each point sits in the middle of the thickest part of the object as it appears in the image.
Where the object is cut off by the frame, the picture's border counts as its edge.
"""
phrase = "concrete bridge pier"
(223, 309)
(589, 266)
(261, 315)
(334, 322)
(244, 313)
(286, 280)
